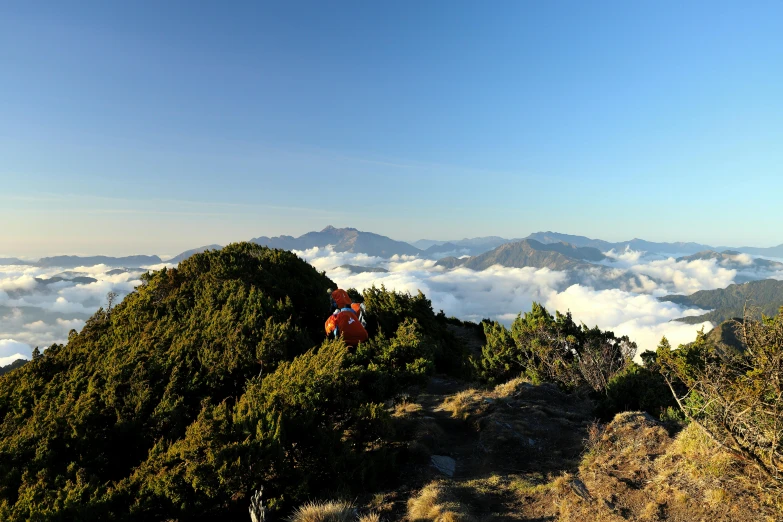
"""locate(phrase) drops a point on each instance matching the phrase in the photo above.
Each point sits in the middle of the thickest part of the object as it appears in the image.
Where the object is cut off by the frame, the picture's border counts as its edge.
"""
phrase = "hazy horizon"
(168, 251)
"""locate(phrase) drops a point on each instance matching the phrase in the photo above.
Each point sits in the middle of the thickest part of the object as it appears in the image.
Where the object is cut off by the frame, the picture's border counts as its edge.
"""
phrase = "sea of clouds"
(34, 311)
(619, 294)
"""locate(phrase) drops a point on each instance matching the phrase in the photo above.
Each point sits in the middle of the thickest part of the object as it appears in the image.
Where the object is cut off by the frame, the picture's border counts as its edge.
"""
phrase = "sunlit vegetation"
(214, 380)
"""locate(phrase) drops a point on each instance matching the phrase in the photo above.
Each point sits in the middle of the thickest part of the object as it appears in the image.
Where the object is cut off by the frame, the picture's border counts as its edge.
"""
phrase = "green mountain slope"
(119, 412)
(729, 302)
(206, 383)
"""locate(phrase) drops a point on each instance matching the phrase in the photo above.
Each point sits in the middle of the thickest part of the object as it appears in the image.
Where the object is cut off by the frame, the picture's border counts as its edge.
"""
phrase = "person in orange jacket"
(345, 322)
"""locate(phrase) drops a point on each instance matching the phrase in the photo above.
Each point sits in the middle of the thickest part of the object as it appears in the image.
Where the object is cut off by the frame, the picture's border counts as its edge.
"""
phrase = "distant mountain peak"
(342, 240)
(330, 228)
(530, 253)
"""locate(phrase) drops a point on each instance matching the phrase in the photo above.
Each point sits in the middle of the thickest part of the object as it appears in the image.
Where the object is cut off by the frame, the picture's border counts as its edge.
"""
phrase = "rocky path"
(488, 446)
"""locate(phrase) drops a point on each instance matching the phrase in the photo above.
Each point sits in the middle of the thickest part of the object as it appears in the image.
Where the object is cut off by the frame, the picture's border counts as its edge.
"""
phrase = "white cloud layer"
(618, 294)
(38, 311)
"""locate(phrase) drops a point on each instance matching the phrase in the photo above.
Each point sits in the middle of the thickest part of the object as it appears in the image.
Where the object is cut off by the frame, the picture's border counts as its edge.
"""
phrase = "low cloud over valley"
(41, 305)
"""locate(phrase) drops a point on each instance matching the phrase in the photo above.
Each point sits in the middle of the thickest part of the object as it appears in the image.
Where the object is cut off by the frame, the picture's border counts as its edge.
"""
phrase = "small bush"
(636, 388)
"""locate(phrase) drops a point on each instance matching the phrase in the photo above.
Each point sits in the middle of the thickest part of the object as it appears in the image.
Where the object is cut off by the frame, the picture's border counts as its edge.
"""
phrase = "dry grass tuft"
(329, 511)
(371, 517)
(510, 388)
(435, 503)
(461, 404)
(715, 497)
(405, 409)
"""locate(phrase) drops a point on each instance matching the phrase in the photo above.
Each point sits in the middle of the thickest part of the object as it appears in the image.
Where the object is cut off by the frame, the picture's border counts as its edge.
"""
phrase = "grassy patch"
(436, 503)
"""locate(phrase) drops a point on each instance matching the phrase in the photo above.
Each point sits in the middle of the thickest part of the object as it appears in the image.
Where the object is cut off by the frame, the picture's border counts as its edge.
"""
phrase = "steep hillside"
(344, 240)
(727, 335)
(555, 256)
(729, 302)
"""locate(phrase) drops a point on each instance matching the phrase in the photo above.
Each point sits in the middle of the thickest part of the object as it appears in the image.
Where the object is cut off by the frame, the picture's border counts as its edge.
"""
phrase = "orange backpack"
(345, 322)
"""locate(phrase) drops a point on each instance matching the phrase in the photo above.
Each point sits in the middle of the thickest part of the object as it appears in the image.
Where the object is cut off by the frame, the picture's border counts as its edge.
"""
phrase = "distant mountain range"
(356, 241)
(480, 245)
(650, 246)
(187, 253)
(735, 260)
(471, 247)
(14, 261)
(529, 253)
(74, 261)
(13, 366)
(363, 269)
(727, 303)
(343, 240)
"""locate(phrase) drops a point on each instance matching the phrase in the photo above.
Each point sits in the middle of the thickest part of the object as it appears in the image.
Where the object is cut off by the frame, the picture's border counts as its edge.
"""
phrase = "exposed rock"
(578, 487)
(445, 465)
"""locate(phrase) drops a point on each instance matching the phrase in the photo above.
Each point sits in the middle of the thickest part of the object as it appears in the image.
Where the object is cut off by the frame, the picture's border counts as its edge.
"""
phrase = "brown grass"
(406, 409)
(436, 503)
(329, 511)
(461, 404)
(509, 388)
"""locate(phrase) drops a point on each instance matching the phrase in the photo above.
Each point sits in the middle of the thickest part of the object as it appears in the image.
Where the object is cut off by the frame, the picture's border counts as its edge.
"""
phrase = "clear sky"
(153, 127)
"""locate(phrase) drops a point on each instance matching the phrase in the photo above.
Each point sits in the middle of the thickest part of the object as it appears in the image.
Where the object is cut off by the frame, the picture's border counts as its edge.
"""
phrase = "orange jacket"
(347, 324)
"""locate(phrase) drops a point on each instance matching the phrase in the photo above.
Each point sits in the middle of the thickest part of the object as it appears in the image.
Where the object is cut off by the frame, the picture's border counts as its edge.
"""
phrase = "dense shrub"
(636, 388)
(736, 397)
(554, 349)
(387, 310)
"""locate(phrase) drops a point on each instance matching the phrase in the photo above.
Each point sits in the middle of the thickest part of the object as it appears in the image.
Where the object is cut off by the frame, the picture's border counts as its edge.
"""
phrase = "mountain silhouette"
(74, 261)
(530, 253)
(343, 240)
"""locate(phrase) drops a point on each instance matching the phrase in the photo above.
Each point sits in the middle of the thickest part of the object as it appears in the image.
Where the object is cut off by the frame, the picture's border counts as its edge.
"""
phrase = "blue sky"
(156, 127)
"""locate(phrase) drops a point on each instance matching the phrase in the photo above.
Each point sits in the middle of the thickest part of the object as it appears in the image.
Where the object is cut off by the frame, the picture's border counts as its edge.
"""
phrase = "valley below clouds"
(39, 306)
